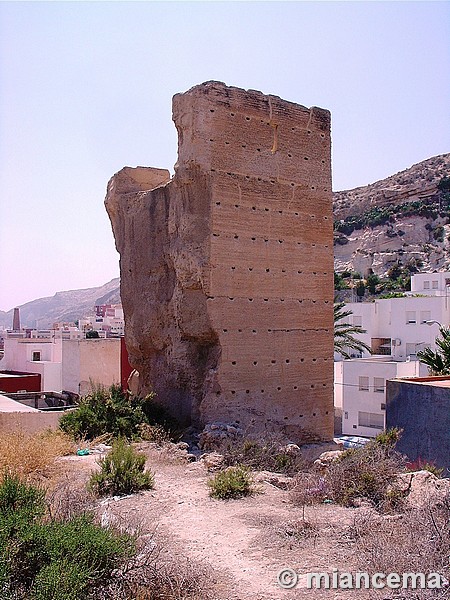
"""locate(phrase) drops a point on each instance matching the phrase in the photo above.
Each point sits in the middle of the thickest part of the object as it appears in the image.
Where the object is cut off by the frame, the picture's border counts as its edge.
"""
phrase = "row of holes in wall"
(254, 209)
(286, 360)
(232, 298)
(267, 240)
(267, 270)
(255, 331)
(272, 181)
(278, 389)
(265, 122)
(258, 149)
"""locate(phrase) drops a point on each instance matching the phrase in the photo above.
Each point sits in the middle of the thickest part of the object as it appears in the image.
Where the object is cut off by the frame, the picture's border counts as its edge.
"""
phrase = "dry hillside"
(402, 218)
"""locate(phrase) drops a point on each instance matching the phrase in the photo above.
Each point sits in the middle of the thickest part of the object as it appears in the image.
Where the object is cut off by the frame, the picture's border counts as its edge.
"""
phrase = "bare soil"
(244, 543)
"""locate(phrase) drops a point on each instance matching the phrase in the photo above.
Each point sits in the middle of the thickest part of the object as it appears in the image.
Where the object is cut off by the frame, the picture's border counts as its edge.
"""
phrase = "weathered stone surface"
(422, 488)
(326, 458)
(227, 269)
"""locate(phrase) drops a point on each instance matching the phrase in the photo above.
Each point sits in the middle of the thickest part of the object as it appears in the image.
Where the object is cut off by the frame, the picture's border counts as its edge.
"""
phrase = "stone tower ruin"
(227, 268)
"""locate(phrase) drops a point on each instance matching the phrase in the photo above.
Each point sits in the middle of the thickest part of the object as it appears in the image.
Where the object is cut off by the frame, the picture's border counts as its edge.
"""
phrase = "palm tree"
(438, 362)
(344, 333)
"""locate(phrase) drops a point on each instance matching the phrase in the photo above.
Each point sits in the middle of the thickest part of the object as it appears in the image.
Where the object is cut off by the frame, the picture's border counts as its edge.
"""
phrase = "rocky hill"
(402, 219)
(63, 306)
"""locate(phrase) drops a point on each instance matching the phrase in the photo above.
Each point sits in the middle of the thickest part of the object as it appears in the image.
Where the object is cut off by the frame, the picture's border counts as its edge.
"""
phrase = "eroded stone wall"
(227, 269)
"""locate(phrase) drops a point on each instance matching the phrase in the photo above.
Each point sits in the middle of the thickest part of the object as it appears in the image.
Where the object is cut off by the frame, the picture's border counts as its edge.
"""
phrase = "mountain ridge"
(64, 306)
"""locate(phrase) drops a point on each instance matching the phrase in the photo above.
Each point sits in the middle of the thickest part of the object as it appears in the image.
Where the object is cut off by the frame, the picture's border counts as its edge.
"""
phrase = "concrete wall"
(90, 360)
(422, 410)
(29, 422)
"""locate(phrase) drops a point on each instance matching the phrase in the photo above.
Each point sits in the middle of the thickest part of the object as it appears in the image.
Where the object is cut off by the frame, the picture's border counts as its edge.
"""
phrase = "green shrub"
(121, 471)
(49, 559)
(233, 482)
(60, 580)
(368, 472)
(262, 455)
(113, 411)
(423, 465)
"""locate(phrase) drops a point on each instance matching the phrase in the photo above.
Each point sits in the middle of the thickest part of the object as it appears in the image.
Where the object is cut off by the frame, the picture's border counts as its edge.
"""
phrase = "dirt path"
(246, 542)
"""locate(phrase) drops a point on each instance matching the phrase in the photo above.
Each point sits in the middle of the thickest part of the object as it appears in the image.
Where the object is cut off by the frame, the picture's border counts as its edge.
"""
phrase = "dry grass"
(417, 540)
(32, 456)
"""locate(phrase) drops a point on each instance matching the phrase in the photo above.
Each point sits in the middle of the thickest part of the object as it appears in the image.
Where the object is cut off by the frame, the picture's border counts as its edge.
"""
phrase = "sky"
(86, 88)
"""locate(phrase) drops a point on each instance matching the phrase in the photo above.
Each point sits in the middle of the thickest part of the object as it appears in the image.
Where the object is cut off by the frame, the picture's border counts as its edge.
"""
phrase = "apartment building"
(396, 329)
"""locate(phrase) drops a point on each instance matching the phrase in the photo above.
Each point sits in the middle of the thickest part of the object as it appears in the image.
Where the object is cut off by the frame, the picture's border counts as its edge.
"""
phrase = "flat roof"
(8, 405)
(438, 381)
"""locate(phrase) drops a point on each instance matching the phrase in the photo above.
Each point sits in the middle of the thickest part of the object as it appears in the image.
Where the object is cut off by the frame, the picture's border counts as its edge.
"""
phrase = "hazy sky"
(86, 87)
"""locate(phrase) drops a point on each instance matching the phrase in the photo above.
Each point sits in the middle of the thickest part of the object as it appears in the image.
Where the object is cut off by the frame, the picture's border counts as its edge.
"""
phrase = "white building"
(397, 328)
(431, 284)
(64, 360)
(108, 321)
(360, 391)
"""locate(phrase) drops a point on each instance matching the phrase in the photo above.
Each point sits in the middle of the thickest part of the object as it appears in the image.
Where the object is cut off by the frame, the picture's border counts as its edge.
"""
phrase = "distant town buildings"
(62, 357)
(396, 329)
(108, 321)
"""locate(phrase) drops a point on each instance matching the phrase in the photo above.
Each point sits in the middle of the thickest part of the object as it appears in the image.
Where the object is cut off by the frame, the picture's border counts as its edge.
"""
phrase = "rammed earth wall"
(227, 269)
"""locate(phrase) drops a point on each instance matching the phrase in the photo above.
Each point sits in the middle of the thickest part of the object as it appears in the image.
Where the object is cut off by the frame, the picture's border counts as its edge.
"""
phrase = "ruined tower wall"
(244, 329)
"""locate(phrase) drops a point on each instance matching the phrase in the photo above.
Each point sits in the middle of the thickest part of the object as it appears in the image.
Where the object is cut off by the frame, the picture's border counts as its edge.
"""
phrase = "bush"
(262, 455)
(112, 411)
(233, 482)
(308, 489)
(52, 560)
(418, 542)
(367, 472)
(121, 471)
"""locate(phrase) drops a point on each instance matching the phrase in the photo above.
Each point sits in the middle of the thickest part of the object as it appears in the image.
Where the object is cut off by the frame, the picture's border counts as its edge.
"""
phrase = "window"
(363, 384)
(378, 384)
(373, 420)
(36, 356)
(383, 406)
(426, 285)
(425, 315)
(434, 285)
(410, 316)
(357, 321)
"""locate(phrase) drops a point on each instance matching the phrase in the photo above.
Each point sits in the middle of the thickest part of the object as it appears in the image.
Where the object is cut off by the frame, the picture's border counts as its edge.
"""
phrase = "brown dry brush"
(155, 574)
(415, 541)
(32, 456)
(269, 454)
(368, 473)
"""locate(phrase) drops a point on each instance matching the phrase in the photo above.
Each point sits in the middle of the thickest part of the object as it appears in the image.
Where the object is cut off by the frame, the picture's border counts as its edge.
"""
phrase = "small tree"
(90, 335)
(438, 362)
(360, 290)
(372, 281)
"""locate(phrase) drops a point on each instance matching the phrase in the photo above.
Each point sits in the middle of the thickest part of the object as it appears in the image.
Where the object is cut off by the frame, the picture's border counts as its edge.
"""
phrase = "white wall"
(353, 400)
(19, 354)
(96, 360)
(388, 318)
(430, 283)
